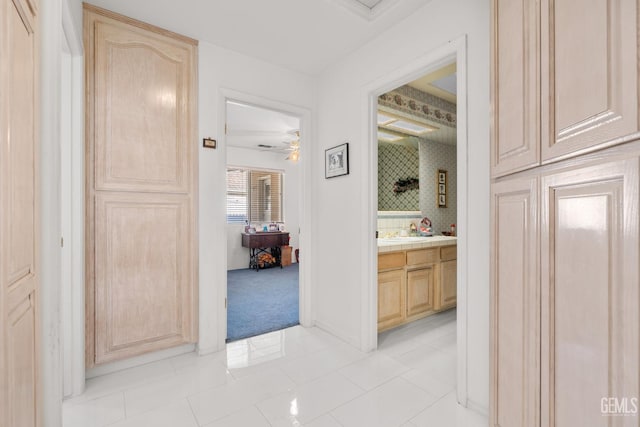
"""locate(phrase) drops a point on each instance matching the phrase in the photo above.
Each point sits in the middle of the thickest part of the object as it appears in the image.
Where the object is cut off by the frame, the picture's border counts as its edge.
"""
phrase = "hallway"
(296, 376)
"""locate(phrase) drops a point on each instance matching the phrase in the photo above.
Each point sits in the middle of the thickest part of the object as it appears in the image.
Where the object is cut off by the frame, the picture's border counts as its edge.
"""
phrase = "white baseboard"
(476, 407)
(109, 368)
(335, 332)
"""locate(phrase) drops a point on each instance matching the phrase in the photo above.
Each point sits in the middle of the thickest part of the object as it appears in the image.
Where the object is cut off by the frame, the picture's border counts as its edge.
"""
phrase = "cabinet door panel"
(590, 322)
(391, 298)
(20, 391)
(448, 284)
(141, 116)
(590, 74)
(514, 305)
(142, 269)
(420, 285)
(141, 227)
(515, 132)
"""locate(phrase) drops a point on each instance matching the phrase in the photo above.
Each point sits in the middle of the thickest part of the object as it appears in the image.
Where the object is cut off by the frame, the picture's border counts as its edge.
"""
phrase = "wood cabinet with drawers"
(416, 283)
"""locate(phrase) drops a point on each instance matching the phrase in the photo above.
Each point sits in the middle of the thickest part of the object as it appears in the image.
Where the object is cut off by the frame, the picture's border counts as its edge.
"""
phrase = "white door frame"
(455, 50)
(72, 207)
(305, 197)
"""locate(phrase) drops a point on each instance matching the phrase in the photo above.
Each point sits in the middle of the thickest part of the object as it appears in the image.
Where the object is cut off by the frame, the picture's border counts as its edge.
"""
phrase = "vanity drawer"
(423, 256)
(448, 253)
(391, 260)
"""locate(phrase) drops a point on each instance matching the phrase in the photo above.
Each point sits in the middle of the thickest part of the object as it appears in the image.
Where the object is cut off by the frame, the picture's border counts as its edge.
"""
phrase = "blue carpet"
(260, 302)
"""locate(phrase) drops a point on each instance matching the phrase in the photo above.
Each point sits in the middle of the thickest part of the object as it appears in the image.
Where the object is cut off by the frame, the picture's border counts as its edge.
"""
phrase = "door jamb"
(304, 114)
(454, 50)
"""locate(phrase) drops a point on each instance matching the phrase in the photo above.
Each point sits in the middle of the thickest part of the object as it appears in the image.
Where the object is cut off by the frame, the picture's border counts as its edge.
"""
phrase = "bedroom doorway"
(263, 219)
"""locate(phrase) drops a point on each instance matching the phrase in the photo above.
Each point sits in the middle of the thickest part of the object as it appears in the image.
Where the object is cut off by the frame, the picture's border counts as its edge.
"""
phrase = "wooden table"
(265, 242)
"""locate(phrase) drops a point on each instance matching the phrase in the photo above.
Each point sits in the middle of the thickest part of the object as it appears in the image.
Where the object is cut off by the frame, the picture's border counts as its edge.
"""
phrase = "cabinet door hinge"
(62, 242)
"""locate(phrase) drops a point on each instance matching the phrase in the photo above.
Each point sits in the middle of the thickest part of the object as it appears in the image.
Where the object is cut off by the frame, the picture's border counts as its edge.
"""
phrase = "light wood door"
(515, 86)
(590, 322)
(391, 298)
(141, 181)
(420, 287)
(448, 284)
(515, 304)
(19, 227)
(589, 62)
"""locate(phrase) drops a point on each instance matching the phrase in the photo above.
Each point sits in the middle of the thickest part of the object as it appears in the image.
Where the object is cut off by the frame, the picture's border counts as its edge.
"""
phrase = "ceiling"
(302, 35)
(440, 83)
(250, 127)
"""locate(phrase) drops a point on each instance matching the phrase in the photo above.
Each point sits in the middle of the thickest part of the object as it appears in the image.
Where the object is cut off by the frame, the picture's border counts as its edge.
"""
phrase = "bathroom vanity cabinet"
(415, 283)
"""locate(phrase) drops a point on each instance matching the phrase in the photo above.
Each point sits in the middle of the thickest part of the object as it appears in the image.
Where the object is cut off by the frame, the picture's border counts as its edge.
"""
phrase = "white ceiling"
(302, 35)
(249, 127)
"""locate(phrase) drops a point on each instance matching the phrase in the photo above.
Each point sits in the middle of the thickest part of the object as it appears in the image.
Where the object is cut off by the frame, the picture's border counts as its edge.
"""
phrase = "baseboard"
(334, 331)
(476, 407)
(132, 362)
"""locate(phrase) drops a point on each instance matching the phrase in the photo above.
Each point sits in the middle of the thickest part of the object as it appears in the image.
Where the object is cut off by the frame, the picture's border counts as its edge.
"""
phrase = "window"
(254, 196)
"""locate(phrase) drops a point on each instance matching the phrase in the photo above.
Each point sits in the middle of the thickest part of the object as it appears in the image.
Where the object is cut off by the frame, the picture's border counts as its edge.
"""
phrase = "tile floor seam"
(193, 413)
(263, 414)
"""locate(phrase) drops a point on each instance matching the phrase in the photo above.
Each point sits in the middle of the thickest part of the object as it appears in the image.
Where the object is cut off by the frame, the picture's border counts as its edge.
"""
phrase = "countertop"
(406, 243)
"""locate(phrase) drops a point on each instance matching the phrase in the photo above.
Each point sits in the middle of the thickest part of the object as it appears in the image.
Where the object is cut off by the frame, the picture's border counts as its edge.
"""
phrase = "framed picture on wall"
(336, 162)
(442, 188)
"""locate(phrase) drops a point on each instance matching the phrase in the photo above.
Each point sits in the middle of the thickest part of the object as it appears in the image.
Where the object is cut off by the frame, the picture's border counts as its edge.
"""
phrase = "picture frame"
(209, 143)
(441, 183)
(336, 161)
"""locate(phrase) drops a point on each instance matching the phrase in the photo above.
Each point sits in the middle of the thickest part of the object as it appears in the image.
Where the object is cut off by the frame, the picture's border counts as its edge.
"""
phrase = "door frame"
(72, 209)
(454, 51)
(305, 298)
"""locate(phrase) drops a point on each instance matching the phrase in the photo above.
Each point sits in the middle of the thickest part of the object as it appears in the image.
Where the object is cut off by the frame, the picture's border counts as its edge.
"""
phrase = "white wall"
(340, 204)
(222, 71)
(238, 256)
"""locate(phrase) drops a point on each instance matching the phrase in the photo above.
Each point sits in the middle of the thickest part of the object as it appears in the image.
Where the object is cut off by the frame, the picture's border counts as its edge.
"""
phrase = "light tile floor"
(294, 377)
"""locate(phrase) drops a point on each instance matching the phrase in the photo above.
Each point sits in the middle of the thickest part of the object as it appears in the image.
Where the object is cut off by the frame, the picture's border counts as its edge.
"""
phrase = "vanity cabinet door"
(514, 305)
(391, 299)
(448, 284)
(589, 62)
(515, 142)
(420, 288)
(589, 297)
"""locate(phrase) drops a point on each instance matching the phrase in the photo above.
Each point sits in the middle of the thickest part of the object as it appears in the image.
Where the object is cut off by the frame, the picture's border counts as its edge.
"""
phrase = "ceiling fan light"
(293, 156)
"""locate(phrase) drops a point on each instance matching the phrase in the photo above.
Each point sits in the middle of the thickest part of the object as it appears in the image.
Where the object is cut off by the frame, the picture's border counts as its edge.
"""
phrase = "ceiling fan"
(293, 146)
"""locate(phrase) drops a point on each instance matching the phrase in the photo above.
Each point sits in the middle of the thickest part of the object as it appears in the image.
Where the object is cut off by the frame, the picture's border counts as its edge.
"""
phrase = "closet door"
(19, 226)
(589, 74)
(590, 323)
(515, 302)
(142, 155)
(515, 142)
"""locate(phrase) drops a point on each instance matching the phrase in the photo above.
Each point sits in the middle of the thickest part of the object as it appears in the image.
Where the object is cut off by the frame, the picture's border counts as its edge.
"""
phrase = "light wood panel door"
(514, 305)
(590, 313)
(448, 284)
(141, 181)
(515, 92)
(589, 61)
(391, 298)
(420, 288)
(19, 226)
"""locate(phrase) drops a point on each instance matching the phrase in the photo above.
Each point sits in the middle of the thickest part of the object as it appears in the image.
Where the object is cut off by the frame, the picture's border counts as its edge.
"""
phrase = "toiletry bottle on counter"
(453, 229)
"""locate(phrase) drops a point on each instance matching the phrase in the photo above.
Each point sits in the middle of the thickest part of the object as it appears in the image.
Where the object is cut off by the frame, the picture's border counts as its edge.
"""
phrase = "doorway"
(453, 52)
(263, 218)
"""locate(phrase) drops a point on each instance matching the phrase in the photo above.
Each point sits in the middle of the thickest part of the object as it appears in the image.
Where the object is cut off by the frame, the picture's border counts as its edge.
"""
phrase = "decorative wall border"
(432, 108)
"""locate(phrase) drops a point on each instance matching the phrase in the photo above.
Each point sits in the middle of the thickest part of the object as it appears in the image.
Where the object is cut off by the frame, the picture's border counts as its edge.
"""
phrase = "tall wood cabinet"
(141, 187)
(565, 290)
(20, 393)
